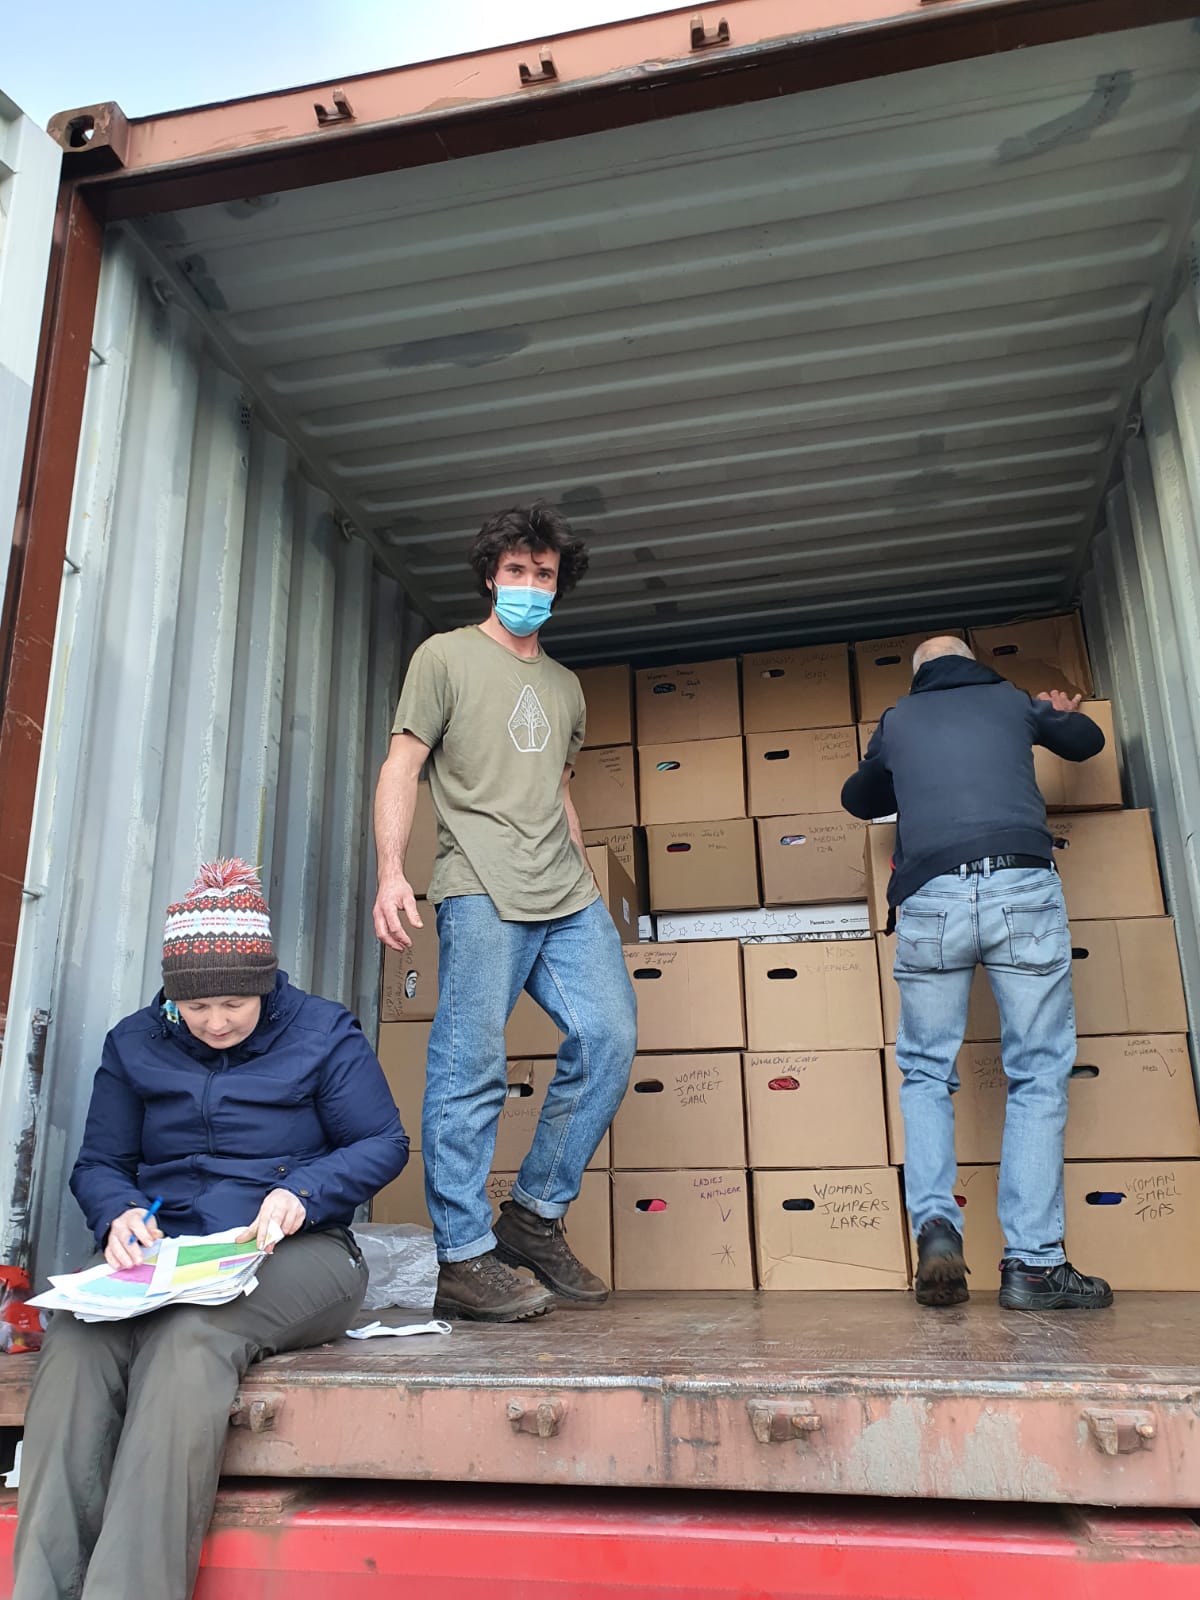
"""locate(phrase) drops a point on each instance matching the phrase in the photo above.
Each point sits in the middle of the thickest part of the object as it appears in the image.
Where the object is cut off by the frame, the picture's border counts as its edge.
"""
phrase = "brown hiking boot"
(484, 1290)
(524, 1239)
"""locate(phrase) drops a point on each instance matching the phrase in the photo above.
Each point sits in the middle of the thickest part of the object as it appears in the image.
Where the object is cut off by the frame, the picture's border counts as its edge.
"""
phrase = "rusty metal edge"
(924, 35)
(30, 616)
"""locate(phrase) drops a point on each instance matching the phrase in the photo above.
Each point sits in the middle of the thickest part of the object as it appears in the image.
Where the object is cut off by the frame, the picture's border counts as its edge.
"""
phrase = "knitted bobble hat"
(218, 937)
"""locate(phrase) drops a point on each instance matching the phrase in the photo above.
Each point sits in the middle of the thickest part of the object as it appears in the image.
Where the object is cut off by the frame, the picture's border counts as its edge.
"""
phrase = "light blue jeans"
(574, 969)
(1014, 921)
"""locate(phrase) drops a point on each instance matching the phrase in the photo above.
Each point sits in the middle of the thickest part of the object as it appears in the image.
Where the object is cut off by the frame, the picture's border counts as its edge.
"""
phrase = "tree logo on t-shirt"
(529, 725)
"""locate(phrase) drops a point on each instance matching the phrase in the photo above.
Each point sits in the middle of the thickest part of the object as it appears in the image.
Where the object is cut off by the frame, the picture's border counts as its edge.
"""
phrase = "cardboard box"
(983, 1017)
(877, 860)
(589, 1218)
(815, 1108)
(403, 1200)
(698, 700)
(530, 1031)
(803, 688)
(1048, 653)
(1108, 864)
(616, 890)
(769, 924)
(702, 866)
(1134, 1222)
(811, 859)
(410, 977)
(1133, 1096)
(528, 1082)
(883, 669)
(701, 780)
(821, 996)
(866, 732)
(629, 847)
(1093, 785)
(800, 770)
(421, 855)
(604, 788)
(608, 695)
(682, 1230)
(402, 1049)
(1125, 976)
(976, 1191)
(830, 1230)
(689, 996)
(681, 1111)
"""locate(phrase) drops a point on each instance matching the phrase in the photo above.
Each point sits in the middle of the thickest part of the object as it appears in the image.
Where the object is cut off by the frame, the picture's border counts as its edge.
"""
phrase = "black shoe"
(526, 1240)
(941, 1270)
(1059, 1288)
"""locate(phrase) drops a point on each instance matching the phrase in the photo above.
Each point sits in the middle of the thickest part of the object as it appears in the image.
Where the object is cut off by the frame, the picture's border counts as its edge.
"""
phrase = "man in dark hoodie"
(973, 880)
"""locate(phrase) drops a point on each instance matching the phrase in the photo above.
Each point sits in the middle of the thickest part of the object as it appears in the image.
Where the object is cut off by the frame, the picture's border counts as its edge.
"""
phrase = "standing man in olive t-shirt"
(517, 908)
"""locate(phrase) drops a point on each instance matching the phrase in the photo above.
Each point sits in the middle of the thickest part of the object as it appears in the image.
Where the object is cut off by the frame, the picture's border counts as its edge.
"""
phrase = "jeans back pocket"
(919, 936)
(1038, 939)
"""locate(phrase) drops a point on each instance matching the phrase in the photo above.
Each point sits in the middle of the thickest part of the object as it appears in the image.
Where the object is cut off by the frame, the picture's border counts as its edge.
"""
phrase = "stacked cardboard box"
(681, 1207)
(760, 1139)
(793, 1125)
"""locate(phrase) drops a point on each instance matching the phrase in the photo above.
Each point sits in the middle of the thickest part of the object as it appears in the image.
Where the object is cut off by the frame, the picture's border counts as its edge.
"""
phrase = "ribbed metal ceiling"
(844, 363)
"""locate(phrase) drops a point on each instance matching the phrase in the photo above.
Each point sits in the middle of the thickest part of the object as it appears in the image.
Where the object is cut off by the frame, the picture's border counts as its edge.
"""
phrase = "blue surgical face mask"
(521, 608)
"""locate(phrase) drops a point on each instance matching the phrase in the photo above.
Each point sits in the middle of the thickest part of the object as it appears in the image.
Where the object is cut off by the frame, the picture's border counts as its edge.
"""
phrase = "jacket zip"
(204, 1099)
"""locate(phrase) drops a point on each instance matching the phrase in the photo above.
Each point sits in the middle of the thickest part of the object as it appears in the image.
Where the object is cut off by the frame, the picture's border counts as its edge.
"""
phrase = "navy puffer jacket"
(302, 1104)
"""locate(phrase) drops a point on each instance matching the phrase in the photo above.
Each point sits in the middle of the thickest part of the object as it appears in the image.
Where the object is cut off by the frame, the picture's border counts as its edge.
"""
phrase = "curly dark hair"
(535, 528)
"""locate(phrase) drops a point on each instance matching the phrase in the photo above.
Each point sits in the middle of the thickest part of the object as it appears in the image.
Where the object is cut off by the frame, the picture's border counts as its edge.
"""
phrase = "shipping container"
(829, 329)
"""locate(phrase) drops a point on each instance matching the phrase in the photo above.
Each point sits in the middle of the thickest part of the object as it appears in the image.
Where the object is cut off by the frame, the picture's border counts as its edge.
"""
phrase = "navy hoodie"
(301, 1104)
(954, 758)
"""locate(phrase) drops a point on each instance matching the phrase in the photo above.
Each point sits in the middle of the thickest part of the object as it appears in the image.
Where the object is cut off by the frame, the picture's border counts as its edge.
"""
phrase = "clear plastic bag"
(402, 1263)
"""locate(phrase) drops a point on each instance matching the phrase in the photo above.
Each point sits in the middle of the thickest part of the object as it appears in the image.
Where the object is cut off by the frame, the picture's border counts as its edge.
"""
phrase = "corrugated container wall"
(226, 665)
(1142, 610)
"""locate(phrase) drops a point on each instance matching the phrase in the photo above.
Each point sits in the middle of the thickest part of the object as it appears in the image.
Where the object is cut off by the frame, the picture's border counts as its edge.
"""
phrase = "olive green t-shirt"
(501, 731)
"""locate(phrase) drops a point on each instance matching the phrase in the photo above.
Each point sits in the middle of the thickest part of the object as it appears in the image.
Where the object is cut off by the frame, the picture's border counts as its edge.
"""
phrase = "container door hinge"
(547, 72)
(704, 38)
(1121, 1433)
(778, 1421)
(259, 1413)
(342, 111)
(540, 1417)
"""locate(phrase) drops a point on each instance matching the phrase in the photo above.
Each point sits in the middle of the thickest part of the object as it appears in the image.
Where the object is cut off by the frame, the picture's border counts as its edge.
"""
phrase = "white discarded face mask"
(521, 608)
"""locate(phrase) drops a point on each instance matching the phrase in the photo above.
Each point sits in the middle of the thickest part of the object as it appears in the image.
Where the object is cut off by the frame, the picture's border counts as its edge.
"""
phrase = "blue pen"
(146, 1215)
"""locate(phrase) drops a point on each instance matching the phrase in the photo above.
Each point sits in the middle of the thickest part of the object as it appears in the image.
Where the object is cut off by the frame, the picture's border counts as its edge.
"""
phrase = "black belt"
(1002, 864)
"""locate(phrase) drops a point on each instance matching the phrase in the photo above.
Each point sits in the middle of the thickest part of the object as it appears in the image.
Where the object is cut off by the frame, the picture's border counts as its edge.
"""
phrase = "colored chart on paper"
(195, 1270)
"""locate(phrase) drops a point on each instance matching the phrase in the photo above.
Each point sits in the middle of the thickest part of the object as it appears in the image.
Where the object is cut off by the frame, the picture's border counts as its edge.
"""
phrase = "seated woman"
(240, 1101)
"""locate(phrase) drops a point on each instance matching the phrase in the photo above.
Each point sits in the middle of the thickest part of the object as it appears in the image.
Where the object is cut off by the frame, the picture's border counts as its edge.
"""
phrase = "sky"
(159, 55)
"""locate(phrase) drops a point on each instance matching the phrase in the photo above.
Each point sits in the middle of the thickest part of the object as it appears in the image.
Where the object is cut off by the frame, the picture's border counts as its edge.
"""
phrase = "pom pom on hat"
(217, 939)
(226, 872)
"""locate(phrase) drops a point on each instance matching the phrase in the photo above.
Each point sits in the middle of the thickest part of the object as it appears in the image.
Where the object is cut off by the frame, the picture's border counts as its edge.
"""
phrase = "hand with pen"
(128, 1233)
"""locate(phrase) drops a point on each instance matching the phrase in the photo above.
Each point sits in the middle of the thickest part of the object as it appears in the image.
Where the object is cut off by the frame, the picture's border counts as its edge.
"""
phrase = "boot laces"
(492, 1272)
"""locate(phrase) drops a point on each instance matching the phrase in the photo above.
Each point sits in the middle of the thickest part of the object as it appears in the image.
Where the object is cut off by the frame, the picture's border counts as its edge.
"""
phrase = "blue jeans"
(1015, 922)
(573, 967)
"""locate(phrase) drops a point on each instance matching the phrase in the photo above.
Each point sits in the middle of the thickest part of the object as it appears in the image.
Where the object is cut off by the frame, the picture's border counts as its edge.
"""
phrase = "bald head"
(933, 648)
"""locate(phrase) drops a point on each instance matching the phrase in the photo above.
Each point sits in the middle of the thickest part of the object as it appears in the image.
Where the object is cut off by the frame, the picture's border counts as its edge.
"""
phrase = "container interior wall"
(226, 665)
(1142, 610)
